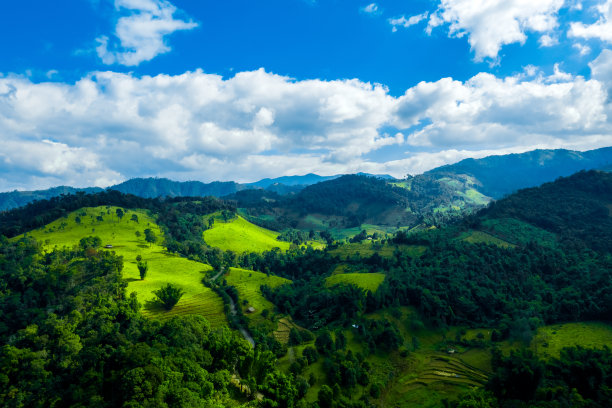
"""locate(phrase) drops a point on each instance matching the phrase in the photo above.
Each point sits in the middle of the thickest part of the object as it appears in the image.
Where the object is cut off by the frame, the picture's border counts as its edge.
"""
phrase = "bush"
(169, 295)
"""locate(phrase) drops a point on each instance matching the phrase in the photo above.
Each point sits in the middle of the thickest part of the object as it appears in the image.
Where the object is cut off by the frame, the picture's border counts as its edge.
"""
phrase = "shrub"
(169, 295)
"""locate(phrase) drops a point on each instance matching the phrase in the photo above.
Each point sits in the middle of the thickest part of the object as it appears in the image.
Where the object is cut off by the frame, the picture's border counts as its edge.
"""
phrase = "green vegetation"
(549, 340)
(169, 295)
(477, 313)
(239, 235)
(248, 284)
(519, 232)
(369, 247)
(366, 281)
(162, 267)
(480, 237)
(72, 337)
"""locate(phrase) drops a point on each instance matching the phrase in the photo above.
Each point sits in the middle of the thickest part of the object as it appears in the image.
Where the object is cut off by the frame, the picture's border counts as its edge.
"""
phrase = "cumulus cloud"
(140, 35)
(407, 22)
(491, 24)
(601, 29)
(601, 69)
(110, 126)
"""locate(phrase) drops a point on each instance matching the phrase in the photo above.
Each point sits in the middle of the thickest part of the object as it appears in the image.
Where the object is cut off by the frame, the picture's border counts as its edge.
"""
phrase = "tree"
(169, 295)
(142, 269)
(150, 236)
(120, 213)
(326, 397)
(90, 242)
(138, 234)
(134, 218)
(77, 219)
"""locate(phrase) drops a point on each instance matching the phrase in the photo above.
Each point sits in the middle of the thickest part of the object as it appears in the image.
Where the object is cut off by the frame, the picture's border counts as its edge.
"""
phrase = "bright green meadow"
(366, 281)
(239, 235)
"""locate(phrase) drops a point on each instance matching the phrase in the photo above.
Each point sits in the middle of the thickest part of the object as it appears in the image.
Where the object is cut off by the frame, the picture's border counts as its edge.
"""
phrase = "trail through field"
(242, 330)
(247, 336)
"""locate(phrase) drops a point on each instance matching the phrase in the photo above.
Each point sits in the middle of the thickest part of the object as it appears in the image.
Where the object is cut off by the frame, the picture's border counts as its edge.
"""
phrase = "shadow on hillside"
(128, 280)
(154, 306)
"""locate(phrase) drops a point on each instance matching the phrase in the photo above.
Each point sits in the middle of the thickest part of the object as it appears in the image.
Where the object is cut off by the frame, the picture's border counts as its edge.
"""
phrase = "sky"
(95, 92)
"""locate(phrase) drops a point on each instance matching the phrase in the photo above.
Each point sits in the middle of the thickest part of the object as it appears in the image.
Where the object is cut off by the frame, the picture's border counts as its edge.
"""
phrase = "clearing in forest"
(366, 281)
(239, 235)
(248, 284)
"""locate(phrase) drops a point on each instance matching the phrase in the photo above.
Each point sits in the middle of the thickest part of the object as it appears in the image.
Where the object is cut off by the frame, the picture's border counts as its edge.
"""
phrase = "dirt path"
(245, 333)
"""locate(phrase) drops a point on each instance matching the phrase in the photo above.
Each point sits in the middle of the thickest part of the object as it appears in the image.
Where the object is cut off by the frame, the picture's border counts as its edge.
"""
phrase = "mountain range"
(468, 182)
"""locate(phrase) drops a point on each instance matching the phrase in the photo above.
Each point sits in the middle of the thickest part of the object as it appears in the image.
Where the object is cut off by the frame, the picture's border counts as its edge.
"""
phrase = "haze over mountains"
(489, 177)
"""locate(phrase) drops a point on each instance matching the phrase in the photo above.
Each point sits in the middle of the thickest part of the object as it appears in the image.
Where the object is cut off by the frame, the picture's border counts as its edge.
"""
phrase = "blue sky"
(96, 92)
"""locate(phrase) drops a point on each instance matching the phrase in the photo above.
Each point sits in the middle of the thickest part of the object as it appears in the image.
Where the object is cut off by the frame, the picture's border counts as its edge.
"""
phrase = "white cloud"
(548, 41)
(601, 29)
(491, 24)
(601, 69)
(583, 49)
(140, 35)
(407, 22)
(371, 8)
(110, 126)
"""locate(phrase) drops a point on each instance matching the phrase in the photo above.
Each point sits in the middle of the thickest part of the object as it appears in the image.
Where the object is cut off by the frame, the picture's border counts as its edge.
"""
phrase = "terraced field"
(366, 281)
(248, 283)
(164, 267)
(369, 248)
(283, 329)
(239, 235)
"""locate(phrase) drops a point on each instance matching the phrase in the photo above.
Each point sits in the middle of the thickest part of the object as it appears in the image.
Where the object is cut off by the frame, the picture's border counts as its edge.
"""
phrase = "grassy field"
(551, 339)
(366, 281)
(343, 233)
(519, 232)
(369, 248)
(239, 235)
(248, 283)
(163, 266)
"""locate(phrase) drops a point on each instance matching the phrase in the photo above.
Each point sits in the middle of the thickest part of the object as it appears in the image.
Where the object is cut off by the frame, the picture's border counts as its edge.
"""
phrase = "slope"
(163, 266)
(575, 208)
(239, 235)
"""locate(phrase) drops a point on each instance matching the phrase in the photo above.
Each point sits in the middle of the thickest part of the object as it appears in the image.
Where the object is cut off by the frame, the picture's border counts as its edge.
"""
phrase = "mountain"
(577, 209)
(162, 187)
(497, 176)
(304, 180)
(16, 198)
(468, 183)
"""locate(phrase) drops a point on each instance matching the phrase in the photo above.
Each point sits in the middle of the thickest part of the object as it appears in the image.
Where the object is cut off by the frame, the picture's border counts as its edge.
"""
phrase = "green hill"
(575, 208)
(239, 235)
(164, 267)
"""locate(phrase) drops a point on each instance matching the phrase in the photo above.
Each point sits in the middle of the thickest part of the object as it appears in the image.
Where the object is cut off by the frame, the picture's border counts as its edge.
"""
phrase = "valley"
(432, 314)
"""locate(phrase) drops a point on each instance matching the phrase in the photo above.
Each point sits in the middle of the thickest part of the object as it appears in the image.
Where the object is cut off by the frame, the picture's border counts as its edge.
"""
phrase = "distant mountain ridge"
(475, 181)
(14, 199)
(505, 174)
(153, 187)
